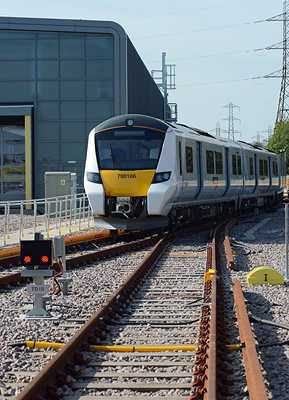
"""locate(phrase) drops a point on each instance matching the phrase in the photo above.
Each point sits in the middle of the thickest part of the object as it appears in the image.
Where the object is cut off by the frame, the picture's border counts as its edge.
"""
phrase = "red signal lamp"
(36, 252)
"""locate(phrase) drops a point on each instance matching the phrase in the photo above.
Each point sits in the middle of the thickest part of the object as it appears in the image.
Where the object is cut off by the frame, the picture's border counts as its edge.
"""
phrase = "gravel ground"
(264, 301)
(92, 287)
(165, 275)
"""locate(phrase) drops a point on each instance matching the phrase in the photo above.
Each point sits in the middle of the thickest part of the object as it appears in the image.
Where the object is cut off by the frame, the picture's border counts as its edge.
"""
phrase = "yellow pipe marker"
(123, 349)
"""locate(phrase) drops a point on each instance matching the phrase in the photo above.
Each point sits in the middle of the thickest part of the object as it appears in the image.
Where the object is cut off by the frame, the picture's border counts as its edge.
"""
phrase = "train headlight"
(93, 177)
(161, 177)
(129, 122)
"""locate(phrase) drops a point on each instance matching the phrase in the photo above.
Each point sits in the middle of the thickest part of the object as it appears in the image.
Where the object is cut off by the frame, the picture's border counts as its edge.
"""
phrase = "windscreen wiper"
(114, 160)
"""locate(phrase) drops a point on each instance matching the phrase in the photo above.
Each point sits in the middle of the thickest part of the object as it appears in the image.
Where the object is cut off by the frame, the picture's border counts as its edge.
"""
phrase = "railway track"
(80, 251)
(163, 331)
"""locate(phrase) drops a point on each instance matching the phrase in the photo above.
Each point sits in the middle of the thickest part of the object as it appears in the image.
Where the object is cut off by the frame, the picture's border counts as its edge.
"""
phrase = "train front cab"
(126, 160)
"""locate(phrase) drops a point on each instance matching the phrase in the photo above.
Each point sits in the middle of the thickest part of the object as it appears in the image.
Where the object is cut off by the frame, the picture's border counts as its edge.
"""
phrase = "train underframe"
(224, 209)
(124, 213)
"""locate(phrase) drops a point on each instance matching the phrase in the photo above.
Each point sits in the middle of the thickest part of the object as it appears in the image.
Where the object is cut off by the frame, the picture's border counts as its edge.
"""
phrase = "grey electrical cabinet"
(60, 184)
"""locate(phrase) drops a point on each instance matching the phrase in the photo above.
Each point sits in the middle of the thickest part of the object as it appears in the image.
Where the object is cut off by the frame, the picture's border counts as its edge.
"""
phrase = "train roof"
(254, 147)
(132, 120)
(141, 120)
(195, 130)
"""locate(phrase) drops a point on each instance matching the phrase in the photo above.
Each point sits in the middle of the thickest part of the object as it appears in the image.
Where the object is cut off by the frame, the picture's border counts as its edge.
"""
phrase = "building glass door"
(12, 168)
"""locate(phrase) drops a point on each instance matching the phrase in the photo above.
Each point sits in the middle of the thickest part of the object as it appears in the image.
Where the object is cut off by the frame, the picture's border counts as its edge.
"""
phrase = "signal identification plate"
(38, 289)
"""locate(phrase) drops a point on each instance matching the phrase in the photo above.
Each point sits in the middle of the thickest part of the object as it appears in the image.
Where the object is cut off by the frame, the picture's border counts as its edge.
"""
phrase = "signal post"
(36, 256)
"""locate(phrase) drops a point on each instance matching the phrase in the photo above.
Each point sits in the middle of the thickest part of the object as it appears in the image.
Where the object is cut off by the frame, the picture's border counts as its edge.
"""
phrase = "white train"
(143, 173)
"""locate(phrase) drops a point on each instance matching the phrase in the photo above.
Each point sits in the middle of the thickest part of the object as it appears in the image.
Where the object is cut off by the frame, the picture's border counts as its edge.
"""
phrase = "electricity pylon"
(258, 136)
(269, 131)
(218, 130)
(283, 105)
(231, 131)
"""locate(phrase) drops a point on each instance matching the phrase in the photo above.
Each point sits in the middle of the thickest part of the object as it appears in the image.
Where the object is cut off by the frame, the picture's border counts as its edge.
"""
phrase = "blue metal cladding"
(144, 97)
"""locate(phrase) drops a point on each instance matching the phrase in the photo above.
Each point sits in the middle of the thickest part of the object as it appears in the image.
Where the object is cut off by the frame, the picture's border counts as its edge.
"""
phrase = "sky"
(218, 49)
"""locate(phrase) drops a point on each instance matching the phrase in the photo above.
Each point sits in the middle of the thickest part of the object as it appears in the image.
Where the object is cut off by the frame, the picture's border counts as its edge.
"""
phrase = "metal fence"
(50, 216)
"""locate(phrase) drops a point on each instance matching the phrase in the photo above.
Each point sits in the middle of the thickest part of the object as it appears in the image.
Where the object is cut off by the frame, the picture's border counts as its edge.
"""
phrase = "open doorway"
(12, 158)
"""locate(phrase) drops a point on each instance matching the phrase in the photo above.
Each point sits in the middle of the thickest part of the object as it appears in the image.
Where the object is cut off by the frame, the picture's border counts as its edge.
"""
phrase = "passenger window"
(219, 163)
(261, 168)
(251, 169)
(210, 161)
(266, 168)
(189, 159)
(275, 168)
(234, 164)
(239, 165)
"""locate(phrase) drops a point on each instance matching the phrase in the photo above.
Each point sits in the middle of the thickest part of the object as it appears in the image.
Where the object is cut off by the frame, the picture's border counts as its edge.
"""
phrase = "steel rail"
(228, 249)
(13, 254)
(212, 364)
(38, 385)
(72, 263)
(211, 383)
(255, 382)
(82, 260)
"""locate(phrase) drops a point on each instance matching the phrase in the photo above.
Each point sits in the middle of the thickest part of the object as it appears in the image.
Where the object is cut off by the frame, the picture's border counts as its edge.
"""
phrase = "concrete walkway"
(13, 239)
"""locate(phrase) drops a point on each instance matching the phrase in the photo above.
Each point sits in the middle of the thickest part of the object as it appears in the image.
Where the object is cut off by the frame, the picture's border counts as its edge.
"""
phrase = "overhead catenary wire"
(194, 10)
(199, 30)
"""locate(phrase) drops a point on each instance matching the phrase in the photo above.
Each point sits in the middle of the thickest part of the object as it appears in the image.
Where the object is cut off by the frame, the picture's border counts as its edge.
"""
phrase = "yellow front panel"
(127, 183)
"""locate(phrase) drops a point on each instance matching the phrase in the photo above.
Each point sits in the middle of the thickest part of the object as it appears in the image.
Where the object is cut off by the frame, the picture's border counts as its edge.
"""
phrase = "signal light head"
(36, 252)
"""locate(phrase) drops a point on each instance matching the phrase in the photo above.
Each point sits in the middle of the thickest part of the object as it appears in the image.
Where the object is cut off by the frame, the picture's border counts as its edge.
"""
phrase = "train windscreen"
(128, 149)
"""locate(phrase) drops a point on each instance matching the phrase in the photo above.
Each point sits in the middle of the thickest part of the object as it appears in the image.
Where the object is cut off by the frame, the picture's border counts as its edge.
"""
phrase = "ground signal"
(36, 252)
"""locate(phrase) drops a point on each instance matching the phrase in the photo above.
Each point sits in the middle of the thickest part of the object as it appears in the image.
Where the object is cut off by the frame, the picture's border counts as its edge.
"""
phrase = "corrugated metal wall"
(144, 97)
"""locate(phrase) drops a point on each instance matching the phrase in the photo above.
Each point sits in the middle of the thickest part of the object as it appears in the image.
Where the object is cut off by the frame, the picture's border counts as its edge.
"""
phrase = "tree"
(260, 144)
(280, 138)
(279, 141)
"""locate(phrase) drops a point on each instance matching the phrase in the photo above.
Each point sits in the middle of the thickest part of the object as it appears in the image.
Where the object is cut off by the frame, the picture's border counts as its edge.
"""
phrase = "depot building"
(58, 80)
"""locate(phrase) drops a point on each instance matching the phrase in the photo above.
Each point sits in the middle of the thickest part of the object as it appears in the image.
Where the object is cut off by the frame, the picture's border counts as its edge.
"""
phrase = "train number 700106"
(126, 176)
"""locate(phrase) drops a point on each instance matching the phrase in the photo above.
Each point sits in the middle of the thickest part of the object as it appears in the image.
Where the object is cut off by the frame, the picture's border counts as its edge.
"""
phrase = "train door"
(256, 172)
(199, 169)
(227, 155)
(270, 173)
(179, 167)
